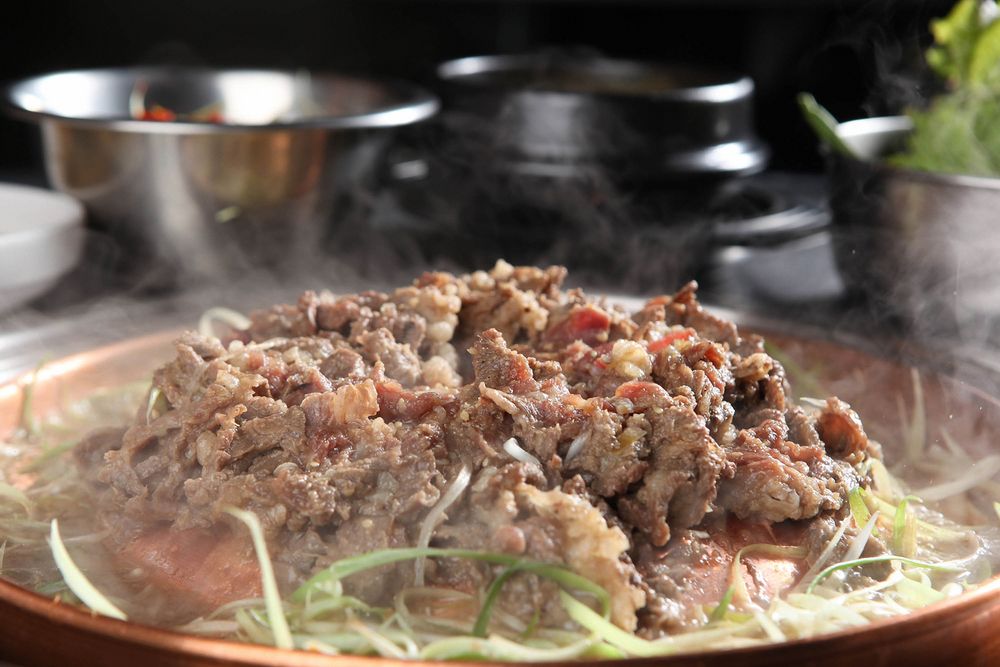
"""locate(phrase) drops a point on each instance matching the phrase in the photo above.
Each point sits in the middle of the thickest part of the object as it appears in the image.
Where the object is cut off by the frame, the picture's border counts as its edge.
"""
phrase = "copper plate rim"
(947, 612)
(940, 615)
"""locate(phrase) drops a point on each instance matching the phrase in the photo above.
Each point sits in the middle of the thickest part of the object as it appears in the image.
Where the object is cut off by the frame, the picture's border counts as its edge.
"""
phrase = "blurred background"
(861, 57)
(758, 237)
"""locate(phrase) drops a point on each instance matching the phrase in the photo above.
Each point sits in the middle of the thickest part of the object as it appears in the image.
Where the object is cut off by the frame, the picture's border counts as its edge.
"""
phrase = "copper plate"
(960, 631)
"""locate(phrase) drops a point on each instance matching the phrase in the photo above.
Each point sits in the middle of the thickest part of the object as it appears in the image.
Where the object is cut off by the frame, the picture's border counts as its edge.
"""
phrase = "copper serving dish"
(959, 631)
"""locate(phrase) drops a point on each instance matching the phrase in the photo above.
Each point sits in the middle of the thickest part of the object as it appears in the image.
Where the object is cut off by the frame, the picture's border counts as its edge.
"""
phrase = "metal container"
(558, 115)
(253, 186)
(921, 248)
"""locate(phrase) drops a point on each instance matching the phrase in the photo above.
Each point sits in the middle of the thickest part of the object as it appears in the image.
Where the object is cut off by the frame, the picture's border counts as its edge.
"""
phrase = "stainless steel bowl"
(201, 197)
(920, 247)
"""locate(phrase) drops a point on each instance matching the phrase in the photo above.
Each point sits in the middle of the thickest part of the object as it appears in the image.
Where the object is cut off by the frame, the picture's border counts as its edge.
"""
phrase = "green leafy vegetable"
(823, 123)
(955, 38)
(960, 131)
(984, 66)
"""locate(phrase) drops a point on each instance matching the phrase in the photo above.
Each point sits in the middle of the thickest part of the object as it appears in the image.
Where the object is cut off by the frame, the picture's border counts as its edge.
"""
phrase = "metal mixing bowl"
(919, 247)
(255, 188)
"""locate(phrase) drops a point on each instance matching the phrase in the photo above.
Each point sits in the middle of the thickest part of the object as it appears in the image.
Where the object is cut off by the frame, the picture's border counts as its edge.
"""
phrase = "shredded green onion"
(552, 572)
(904, 528)
(846, 565)
(719, 613)
(492, 593)
(978, 472)
(915, 426)
(272, 598)
(931, 530)
(27, 421)
(806, 382)
(235, 319)
(352, 565)
(154, 396)
(77, 581)
(16, 495)
(608, 631)
(859, 510)
(381, 644)
(436, 515)
(736, 581)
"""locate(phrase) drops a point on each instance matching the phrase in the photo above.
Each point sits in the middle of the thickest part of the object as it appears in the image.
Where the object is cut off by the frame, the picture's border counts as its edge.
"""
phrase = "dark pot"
(559, 116)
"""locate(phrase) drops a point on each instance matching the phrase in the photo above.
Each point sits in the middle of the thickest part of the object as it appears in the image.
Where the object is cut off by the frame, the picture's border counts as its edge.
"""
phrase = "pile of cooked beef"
(341, 420)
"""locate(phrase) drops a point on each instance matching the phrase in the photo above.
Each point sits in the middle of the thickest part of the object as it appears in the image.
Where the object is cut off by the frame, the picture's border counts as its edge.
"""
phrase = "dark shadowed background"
(838, 49)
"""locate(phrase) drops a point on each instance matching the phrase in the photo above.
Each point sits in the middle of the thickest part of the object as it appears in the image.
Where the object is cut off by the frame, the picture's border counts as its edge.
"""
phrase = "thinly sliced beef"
(340, 421)
(609, 453)
(776, 479)
(839, 427)
(685, 464)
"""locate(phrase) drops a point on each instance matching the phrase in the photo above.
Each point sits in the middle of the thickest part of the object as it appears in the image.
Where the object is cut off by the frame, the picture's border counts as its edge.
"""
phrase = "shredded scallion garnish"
(272, 598)
(848, 564)
(904, 528)
(77, 581)
(609, 632)
(736, 581)
(27, 421)
(233, 318)
(859, 510)
(15, 495)
(436, 515)
(722, 608)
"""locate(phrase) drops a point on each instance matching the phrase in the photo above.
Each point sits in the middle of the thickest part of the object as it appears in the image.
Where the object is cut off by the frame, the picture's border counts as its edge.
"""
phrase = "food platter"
(966, 628)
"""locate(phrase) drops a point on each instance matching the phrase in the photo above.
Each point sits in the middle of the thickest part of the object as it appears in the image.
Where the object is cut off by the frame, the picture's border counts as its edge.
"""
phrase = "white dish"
(41, 238)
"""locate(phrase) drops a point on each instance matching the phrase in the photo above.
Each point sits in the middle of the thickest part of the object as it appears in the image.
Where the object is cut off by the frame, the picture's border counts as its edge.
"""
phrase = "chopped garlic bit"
(630, 359)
